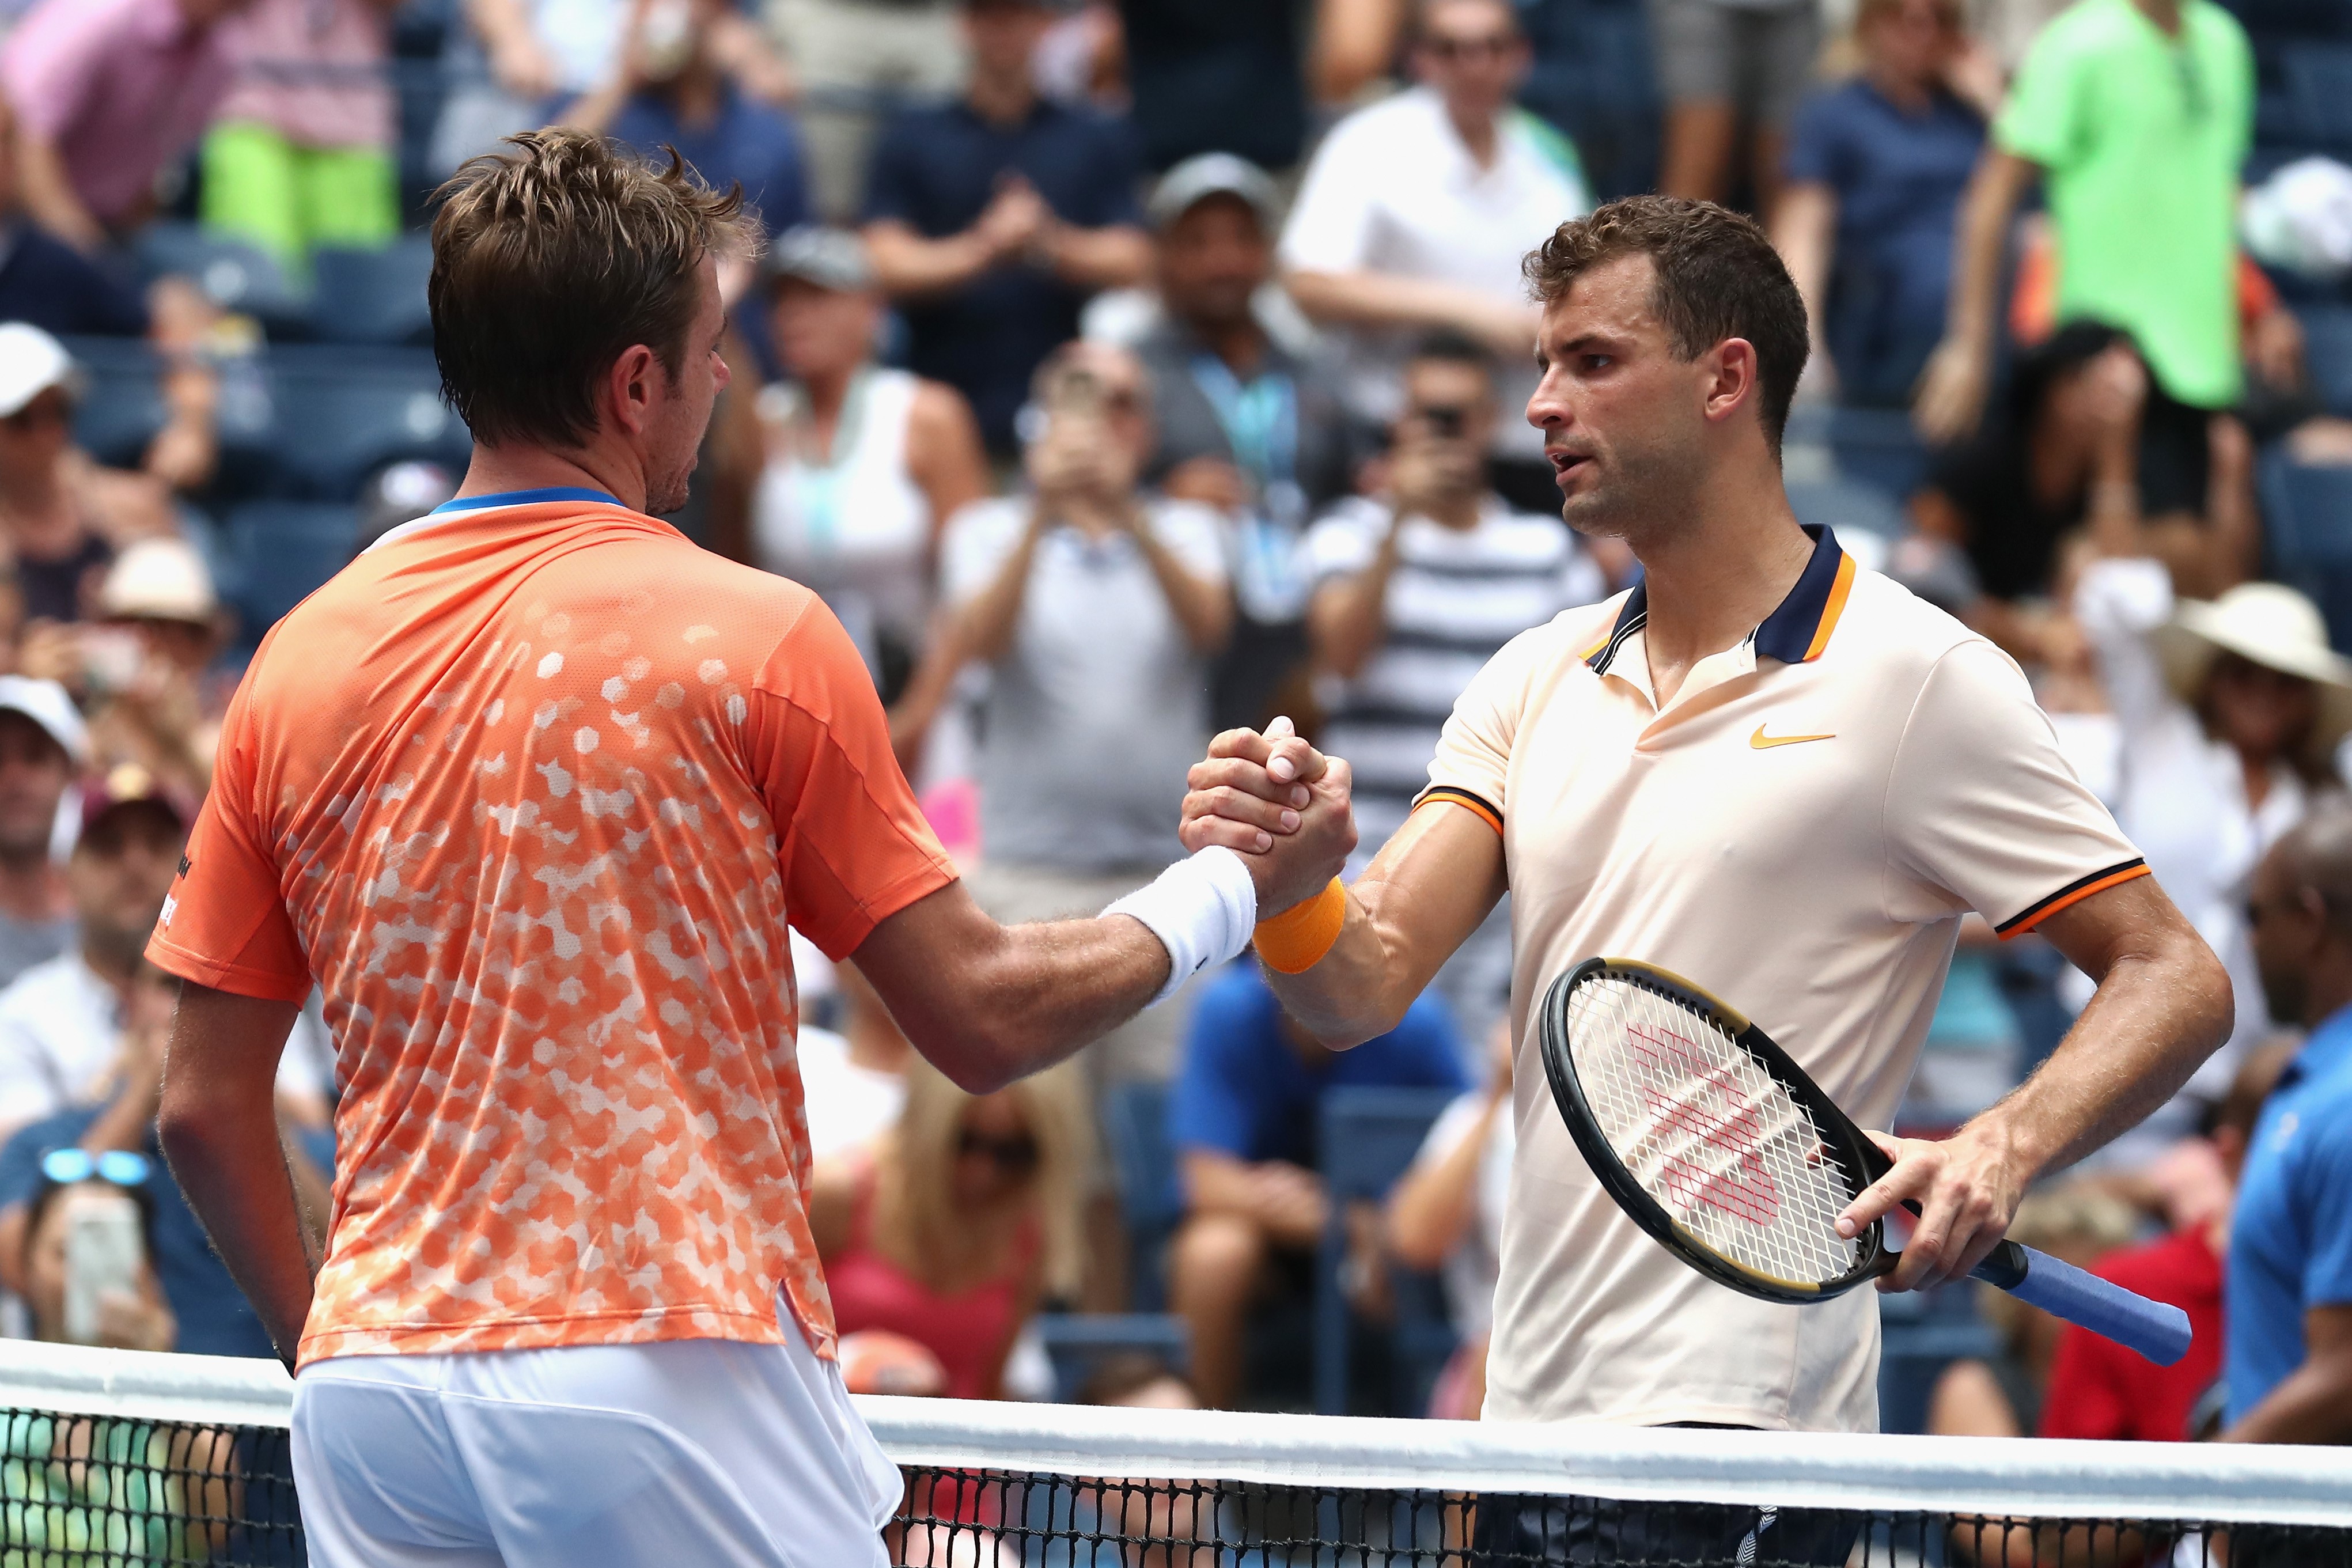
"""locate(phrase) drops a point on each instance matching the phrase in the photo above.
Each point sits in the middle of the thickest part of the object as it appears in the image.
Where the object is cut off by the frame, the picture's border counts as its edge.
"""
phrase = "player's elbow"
(978, 1057)
(2202, 997)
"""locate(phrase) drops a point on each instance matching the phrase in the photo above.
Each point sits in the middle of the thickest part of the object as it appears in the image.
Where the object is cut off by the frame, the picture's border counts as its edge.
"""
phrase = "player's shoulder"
(1898, 633)
(1569, 639)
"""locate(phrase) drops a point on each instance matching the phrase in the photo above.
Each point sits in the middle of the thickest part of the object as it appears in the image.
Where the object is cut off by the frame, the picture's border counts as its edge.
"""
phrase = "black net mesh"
(997, 1519)
(90, 1492)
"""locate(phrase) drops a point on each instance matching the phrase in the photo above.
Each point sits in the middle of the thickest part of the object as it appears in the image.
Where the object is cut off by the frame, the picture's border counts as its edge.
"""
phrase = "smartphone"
(104, 1255)
(1075, 390)
(111, 657)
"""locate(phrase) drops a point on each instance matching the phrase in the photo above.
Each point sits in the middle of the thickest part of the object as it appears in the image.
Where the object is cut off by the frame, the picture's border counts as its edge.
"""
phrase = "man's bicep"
(224, 1041)
(2133, 915)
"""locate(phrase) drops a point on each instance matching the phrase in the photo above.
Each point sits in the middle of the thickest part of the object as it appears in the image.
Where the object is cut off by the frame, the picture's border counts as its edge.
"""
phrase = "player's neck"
(500, 471)
(1712, 583)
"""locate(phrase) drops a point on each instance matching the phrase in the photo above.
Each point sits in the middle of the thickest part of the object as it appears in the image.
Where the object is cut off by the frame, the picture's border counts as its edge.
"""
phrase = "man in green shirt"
(2137, 115)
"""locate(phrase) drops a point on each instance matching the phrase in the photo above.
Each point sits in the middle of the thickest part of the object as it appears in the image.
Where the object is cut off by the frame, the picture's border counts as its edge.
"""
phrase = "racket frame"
(1855, 1155)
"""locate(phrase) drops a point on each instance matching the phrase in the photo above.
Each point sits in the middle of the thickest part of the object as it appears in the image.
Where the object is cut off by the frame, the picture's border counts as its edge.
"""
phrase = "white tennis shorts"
(697, 1451)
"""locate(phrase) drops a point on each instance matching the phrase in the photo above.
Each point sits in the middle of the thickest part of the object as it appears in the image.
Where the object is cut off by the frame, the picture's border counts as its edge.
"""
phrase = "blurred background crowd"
(1122, 371)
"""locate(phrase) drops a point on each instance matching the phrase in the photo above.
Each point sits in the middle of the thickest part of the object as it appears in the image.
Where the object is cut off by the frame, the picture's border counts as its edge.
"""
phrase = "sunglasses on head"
(119, 1167)
(1016, 1155)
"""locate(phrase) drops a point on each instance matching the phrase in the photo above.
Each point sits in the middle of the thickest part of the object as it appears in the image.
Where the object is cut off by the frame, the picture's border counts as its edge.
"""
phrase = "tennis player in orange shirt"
(532, 791)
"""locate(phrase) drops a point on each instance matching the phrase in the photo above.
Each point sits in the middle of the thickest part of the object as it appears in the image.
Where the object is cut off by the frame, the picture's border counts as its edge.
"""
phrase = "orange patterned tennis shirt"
(531, 792)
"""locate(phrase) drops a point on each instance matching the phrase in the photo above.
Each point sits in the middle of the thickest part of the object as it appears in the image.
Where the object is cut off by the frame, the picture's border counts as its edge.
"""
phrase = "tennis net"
(115, 1457)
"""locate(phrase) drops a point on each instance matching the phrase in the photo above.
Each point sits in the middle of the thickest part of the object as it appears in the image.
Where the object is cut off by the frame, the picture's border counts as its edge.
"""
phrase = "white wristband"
(1203, 911)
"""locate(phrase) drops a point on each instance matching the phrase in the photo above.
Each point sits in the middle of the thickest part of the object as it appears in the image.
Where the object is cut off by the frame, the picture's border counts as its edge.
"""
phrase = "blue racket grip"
(2156, 1330)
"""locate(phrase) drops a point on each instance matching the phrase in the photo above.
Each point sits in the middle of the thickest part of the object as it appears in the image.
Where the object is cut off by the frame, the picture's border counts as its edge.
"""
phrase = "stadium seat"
(2307, 534)
(1878, 446)
(331, 431)
(1369, 1138)
(373, 296)
(232, 274)
(280, 553)
(1077, 1342)
(1143, 1163)
(121, 405)
(2327, 350)
(2318, 80)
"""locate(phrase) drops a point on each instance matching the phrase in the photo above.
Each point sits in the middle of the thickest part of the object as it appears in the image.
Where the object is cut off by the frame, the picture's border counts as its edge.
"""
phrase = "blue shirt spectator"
(740, 142)
(214, 1315)
(2290, 1237)
(991, 219)
(1251, 1082)
(1875, 170)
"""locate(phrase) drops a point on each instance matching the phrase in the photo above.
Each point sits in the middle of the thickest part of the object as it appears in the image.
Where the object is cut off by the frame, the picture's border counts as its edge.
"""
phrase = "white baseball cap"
(45, 703)
(31, 362)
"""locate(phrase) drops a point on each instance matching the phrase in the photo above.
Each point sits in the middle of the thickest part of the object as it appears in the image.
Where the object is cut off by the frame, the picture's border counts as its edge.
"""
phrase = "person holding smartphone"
(1415, 587)
(1097, 606)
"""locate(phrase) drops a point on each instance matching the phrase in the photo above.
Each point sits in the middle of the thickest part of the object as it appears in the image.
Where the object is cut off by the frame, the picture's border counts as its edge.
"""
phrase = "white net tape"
(2044, 1478)
(1725, 1150)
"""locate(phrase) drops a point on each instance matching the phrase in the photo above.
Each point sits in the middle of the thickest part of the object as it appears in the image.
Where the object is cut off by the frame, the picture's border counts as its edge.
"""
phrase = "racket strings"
(1711, 1135)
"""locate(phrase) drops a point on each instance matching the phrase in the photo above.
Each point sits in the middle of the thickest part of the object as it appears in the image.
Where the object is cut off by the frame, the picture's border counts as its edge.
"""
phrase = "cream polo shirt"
(1800, 832)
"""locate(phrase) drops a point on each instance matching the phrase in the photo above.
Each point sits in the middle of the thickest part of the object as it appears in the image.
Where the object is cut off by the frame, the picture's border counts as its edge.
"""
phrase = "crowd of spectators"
(1119, 373)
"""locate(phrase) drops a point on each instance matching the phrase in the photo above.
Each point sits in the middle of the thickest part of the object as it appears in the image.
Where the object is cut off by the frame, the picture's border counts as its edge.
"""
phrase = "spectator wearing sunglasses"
(195, 1305)
(134, 1318)
(62, 516)
(954, 1228)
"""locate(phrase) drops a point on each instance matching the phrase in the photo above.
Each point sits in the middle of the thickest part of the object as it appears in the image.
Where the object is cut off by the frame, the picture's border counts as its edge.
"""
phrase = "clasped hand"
(1281, 803)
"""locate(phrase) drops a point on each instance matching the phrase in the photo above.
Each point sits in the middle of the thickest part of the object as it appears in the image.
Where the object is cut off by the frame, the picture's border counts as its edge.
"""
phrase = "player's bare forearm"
(218, 1125)
(988, 1004)
(2313, 1403)
(1420, 898)
(2163, 1006)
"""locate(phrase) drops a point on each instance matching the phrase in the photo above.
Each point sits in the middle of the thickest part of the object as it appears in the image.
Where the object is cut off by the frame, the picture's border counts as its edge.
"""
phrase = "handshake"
(1280, 804)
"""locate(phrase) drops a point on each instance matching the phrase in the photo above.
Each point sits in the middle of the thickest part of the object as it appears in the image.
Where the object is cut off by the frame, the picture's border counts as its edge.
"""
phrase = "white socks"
(1204, 910)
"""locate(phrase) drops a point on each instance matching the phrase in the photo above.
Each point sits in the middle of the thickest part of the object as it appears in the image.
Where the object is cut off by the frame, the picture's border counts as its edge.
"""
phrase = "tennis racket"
(1715, 1142)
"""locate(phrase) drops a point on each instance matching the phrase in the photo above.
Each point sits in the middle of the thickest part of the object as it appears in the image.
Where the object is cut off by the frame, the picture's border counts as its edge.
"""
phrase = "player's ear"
(631, 386)
(1730, 377)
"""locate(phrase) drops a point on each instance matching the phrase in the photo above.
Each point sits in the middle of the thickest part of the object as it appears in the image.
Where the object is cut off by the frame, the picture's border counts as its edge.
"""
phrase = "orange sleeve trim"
(1833, 609)
(1450, 794)
(2072, 894)
(1295, 939)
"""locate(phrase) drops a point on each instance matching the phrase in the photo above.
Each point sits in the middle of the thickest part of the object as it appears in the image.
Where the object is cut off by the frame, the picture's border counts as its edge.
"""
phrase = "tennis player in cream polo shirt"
(1765, 769)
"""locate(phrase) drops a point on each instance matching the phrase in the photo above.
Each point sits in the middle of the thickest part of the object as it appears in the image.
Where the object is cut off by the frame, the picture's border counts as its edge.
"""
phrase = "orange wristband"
(1296, 938)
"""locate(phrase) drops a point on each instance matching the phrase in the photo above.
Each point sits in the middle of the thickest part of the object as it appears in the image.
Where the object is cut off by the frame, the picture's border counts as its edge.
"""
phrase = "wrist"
(1296, 940)
(1202, 909)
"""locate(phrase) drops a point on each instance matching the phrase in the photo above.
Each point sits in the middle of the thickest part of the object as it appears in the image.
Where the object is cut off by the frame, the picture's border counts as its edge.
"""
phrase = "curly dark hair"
(1717, 277)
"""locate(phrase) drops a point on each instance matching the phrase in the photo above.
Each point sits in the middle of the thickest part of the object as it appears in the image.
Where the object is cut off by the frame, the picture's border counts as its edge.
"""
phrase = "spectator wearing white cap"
(861, 467)
(1246, 423)
(42, 743)
(2231, 713)
(1416, 212)
(155, 712)
(62, 516)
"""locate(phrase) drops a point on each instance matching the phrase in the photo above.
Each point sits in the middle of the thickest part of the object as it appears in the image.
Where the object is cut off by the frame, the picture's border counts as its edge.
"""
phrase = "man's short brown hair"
(1717, 277)
(548, 262)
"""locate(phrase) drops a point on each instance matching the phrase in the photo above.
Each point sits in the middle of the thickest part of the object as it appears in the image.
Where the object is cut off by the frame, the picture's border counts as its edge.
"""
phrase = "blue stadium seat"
(1143, 1163)
(2318, 80)
(1847, 507)
(373, 296)
(330, 431)
(1077, 1342)
(232, 274)
(1369, 1138)
(2327, 350)
(2307, 535)
(121, 405)
(281, 551)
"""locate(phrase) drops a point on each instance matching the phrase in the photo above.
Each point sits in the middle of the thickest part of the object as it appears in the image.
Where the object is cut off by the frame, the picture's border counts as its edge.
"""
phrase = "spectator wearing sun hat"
(159, 612)
(2230, 713)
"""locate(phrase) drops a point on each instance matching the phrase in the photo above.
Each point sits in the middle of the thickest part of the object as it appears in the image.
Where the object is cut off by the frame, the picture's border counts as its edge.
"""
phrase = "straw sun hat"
(2266, 624)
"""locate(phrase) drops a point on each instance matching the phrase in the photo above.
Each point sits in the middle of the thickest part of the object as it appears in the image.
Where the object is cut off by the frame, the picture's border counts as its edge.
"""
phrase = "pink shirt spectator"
(315, 71)
(120, 88)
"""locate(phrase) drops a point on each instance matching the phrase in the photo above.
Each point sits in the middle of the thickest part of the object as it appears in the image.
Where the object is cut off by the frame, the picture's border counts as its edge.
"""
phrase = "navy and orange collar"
(1796, 633)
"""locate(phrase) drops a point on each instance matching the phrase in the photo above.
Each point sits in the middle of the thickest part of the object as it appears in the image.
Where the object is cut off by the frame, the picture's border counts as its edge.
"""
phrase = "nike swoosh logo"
(1763, 742)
